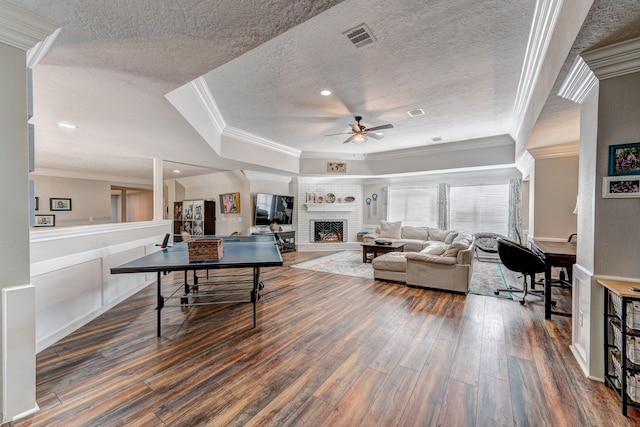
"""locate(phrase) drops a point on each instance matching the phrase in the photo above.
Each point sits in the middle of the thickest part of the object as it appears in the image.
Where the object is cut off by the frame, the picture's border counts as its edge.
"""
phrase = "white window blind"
(479, 208)
(414, 206)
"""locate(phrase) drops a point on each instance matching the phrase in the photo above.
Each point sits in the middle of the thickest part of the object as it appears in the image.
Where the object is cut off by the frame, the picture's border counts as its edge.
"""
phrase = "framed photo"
(57, 204)
(337, 167)
(36, 205)
(621, 187)
(45, 221)
(624, 159)
(230, 203)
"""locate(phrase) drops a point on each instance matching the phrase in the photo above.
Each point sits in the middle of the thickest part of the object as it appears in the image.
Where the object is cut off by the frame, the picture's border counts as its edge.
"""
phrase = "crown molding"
(525, 164)
(96, 177)
(552, 151)
(448, 147)
(579, 82)
(256, 140)
(544, 22)
(252, 175)
(202, 91)
(614, 60)
(22, 29)
(36, 53)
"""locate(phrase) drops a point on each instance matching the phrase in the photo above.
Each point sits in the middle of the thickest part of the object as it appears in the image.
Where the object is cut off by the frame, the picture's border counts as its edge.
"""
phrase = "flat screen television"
(272, 208)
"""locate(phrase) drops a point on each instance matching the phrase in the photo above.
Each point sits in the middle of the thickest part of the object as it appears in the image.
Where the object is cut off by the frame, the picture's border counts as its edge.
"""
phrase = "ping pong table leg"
(160, 302)
(255, 294)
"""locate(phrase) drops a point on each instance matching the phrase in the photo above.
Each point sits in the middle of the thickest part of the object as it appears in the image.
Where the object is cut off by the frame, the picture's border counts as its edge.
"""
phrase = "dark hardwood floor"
(329, 350)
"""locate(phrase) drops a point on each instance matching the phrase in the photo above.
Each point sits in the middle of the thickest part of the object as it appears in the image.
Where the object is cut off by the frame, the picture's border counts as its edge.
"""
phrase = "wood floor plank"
(327, 350)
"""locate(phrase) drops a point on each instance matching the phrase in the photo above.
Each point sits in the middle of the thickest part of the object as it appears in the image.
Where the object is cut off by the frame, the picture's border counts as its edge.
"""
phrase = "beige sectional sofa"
(432, 258)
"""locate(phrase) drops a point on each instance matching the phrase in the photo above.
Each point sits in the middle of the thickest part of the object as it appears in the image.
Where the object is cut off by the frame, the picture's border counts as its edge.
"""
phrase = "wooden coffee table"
(375, 249)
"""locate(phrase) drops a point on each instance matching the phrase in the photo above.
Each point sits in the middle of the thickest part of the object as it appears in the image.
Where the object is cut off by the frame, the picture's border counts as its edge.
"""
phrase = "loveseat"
(432, 258)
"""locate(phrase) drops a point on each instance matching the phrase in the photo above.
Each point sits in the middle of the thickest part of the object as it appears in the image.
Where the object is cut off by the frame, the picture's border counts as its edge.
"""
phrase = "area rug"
(487, 277)
(347, 263)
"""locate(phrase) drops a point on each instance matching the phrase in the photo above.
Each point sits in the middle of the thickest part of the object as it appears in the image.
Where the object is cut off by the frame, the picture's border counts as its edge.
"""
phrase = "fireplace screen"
(329, 231)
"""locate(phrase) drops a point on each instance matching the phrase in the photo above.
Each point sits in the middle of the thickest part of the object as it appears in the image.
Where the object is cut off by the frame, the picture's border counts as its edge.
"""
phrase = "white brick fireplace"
(350, 213)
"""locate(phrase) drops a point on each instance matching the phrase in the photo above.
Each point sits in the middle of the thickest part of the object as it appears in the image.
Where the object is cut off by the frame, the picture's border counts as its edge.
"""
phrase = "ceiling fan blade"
(341, 133)
(389, 126)
(375, 136)
(348, 139)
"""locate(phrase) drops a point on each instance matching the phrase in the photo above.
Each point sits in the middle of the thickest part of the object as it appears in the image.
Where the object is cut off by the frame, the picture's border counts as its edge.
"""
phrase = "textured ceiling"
(265, 63)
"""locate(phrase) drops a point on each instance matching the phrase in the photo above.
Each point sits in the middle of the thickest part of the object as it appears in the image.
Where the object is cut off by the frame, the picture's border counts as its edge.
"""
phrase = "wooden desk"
(554, 254)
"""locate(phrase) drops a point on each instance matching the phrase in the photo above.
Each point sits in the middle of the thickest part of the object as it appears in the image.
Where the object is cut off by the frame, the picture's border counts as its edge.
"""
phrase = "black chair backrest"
(519, 258)
(165, 241)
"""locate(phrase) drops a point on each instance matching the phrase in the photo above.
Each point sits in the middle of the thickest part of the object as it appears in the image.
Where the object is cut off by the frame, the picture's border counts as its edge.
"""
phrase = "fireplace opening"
(328, 231)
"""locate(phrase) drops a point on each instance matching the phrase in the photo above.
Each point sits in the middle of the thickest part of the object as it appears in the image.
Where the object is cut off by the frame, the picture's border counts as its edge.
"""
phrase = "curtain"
(515, 208)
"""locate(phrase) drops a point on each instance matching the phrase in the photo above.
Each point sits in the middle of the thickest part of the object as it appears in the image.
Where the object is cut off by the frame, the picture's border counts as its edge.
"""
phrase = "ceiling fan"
(359, 133)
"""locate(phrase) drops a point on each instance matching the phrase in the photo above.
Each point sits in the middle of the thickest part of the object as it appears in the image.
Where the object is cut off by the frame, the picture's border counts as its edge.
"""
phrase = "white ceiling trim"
(252, 175)
(579, 82)
(615, 60)
(97, 177)
(36, 53)
(22, 29)
(450, 147)
(259, 141)
(200, 87)
(544, 22)
(560, 150)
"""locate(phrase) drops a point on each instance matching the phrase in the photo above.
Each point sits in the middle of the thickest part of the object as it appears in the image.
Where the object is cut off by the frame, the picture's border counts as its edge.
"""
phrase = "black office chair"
(520, 259)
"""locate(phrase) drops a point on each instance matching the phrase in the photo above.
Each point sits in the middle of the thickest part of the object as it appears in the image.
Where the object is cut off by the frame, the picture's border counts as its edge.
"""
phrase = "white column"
(158, 190)
(19, 31)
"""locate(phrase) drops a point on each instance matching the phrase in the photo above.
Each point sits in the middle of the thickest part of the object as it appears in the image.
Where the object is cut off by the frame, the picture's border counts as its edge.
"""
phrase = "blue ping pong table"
(238, 252)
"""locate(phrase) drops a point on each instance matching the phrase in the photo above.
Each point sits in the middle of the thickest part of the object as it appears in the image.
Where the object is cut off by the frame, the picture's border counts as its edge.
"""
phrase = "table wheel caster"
(184, 300)
(261, 285)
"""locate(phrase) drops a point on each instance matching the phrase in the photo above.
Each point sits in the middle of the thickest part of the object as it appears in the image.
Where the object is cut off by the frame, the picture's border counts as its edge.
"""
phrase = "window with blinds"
(479, 208)
(414, 206)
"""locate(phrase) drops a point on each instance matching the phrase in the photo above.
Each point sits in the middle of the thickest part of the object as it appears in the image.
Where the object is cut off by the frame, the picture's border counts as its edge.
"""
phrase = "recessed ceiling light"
(325, 92)
(66, 125)
(176, 171)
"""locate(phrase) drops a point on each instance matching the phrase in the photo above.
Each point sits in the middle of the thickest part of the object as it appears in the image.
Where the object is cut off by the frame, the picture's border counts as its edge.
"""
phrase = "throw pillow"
(456, 247)
(437, 234)
(390, 230)
(449, 239)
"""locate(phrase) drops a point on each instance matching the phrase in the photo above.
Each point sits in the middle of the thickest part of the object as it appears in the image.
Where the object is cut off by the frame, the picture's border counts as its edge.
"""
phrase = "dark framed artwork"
(624, 159)
(45, 221)
(58, 204)
(36, 205)
(230, 203)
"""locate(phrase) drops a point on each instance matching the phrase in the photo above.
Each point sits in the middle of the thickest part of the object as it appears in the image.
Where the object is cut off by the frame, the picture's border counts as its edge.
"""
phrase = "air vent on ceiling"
(415, 113)
(360, 35)
(436, 139)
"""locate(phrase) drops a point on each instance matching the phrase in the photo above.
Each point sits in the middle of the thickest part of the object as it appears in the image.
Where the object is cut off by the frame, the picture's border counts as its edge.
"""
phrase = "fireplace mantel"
(329, 207)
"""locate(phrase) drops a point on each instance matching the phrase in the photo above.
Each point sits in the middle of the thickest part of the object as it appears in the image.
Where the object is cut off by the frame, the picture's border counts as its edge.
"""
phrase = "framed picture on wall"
(624, 159)
(621, 187)
(45, 221)
(58, 204)
(230, 203)
(36, 205)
